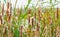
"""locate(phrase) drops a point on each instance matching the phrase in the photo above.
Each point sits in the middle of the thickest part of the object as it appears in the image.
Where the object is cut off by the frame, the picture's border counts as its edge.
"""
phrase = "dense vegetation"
(29, 22)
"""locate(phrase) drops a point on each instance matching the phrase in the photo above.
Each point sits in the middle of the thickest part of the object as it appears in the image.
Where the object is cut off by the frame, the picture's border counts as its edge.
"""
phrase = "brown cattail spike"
(2, 8)
(49, 19)
(35, 15)
(32, 22)
(8, 9)
(39, 11)
(0, 19)
(28, 19)
(57, 12)
(38, 27)
(29, 11)
(8, 13)
(9, 18)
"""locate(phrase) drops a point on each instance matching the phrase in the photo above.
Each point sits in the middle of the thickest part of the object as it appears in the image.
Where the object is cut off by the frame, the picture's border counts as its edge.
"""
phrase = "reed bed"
(29, 22)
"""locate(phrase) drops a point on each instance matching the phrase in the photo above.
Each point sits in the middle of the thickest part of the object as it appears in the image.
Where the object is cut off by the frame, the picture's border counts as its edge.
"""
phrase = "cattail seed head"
(28, 19)
(9, 17)
(39, 14)
(57, 12)
(0, 19)
(29, 11)
(32, 22)
(38, 27)
(35, 15)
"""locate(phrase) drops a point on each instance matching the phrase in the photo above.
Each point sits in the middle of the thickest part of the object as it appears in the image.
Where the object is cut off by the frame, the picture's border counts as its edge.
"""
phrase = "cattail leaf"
(50, 1)
(16, 32)
(29, 1)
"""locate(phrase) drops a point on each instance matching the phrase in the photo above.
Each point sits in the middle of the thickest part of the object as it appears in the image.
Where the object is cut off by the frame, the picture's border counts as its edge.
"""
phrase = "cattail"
(29, 11)
(28, 19)
(35, 16)
(32, 22)
(8, 5)
(38, 27)
(5, 31)
(0, 25)
(21, 31)
(37, 33)
(39, 14)
(10, 8)
(7, 12)
(2, 8)
(10, 13)
(50, 20)
(10, 34)
(9, 18)
(56, 13)
(0, 19)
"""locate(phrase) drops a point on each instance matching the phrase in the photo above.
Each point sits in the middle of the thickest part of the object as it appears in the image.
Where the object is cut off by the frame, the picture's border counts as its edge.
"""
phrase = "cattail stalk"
(18, 12)
(37, 33)
(44, 22)
(5, 32)
(0, 26)
(21, 31)
(29, 11)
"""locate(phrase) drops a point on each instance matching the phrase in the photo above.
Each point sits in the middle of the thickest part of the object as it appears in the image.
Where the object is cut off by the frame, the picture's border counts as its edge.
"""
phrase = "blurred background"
(35, 3)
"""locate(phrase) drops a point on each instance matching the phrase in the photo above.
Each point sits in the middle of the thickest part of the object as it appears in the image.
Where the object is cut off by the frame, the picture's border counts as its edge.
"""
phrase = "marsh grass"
(38, 22)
